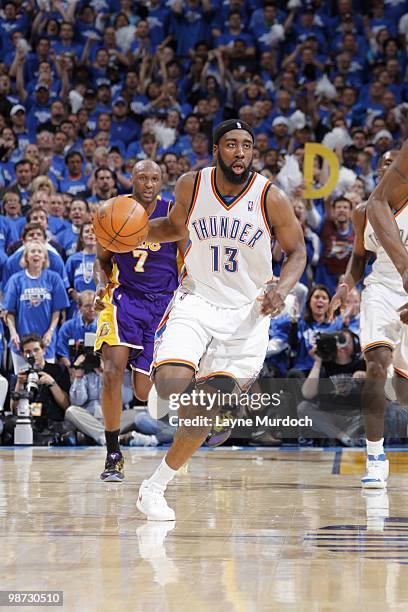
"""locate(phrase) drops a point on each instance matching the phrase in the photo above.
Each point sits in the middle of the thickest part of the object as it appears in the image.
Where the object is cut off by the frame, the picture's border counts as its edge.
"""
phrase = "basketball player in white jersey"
(214, 334)
(381, 327)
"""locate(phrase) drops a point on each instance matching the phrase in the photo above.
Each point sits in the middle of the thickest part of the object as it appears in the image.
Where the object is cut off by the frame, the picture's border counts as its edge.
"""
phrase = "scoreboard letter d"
(312, 149)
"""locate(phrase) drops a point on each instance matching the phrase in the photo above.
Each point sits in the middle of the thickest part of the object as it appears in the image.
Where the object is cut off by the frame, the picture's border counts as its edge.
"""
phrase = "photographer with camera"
(333, 388)
(46, 386)
(333, 392)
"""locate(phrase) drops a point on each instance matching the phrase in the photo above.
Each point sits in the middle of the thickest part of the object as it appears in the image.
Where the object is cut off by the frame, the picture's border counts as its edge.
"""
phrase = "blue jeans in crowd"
(151, 427)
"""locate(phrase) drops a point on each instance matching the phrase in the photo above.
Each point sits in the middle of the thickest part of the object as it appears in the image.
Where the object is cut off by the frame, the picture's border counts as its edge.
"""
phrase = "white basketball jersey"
(383, 270)
(228, 259)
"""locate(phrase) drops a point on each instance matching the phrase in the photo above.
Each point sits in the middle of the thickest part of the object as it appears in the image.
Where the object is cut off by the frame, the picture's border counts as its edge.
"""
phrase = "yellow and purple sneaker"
(114, 468)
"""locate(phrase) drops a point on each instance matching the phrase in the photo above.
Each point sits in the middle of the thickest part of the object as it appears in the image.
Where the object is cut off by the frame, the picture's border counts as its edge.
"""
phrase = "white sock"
(162, 475)
(375, 448)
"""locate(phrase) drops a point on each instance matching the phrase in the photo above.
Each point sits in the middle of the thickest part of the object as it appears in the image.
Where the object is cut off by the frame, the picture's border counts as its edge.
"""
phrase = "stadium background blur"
(89, 88)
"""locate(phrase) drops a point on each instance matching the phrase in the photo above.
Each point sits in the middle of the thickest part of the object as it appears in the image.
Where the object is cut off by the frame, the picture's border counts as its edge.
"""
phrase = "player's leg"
(119, 332)
(400, 384)
(115, 359)
(377, 360)
(195, 421)
(170, 380)
(222, 361)
(141, 385)
(141, 365)
(380, 331)
(242, 356)
(400, 363)
(181, 340)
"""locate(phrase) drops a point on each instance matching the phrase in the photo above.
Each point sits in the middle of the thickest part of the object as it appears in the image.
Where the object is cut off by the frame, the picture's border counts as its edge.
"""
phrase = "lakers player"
(381, 328)
(214, 334)
(133, 291)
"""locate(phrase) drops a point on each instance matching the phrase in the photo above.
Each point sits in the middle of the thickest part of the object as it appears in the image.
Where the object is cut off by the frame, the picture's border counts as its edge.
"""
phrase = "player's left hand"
(403, 313)
(272, 301)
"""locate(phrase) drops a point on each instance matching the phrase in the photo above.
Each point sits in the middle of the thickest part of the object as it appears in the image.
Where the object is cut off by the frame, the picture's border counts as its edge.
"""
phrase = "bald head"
(146, 181)
(146, 165)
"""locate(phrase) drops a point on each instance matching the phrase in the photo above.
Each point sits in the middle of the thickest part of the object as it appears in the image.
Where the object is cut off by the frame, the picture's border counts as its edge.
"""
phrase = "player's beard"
(230, 175)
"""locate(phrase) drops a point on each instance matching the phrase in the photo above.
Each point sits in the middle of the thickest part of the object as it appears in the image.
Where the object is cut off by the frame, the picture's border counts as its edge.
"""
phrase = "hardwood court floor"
(256, 530)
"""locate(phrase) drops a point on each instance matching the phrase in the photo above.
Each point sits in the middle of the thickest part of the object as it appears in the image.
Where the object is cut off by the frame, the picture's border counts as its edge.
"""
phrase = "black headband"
(231, 124)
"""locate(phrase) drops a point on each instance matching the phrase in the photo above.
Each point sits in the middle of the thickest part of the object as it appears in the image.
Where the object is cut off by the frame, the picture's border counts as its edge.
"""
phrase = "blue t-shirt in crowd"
(79, 269)
(32, 301)
(16, 228)
(5, 239)
(56, 225)
(74, 186)
(68, 239)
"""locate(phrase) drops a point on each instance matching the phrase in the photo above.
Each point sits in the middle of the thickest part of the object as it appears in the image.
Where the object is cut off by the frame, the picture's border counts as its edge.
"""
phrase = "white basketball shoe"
(152, 503)
(377, 470)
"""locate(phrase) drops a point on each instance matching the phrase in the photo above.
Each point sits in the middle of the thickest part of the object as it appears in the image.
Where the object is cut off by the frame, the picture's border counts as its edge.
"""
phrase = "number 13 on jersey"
(228, 255)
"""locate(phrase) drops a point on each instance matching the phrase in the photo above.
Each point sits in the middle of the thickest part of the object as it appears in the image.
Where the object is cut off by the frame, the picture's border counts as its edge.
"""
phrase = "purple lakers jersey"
(151, 268)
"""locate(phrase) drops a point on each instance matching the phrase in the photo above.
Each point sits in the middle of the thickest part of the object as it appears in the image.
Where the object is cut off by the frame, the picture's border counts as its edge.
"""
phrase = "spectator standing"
(34, 299)
(337, 238)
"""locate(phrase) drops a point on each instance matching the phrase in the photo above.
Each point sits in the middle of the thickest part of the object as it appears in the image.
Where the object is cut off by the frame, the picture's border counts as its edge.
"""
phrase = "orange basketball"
(120, 224)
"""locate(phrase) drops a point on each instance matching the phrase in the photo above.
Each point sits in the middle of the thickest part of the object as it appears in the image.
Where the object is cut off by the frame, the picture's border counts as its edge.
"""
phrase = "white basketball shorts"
(381, 325)
(212, 340)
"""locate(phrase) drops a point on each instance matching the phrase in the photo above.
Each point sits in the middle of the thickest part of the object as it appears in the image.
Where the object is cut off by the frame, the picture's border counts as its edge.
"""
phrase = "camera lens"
(341, 340)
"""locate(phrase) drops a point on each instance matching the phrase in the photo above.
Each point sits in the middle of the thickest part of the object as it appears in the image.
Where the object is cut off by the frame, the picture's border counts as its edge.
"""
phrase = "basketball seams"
(106, 239)
(129, 215)
(108, 236)
(136, 233)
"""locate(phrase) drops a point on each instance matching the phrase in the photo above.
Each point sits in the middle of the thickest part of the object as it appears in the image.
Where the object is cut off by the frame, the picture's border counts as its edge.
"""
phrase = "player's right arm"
(173, 227)
(356, 264)
(391, 192)
(101, 272)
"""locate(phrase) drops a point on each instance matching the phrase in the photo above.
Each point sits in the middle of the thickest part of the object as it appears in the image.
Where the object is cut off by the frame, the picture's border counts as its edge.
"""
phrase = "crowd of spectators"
(89, 88)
